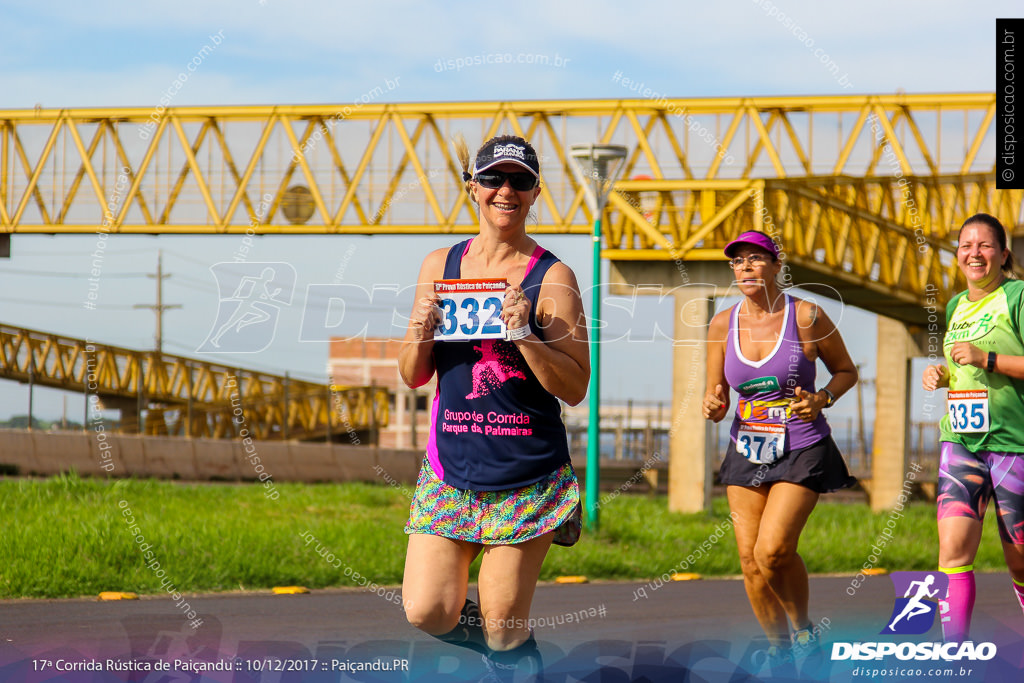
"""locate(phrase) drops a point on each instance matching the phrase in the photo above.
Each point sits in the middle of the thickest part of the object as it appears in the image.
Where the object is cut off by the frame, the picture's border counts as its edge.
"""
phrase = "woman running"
(982, 433)
(497, 478)
(781, 455)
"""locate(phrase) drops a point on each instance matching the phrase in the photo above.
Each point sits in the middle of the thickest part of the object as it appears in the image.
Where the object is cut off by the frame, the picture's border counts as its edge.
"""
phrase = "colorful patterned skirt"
(498, 517)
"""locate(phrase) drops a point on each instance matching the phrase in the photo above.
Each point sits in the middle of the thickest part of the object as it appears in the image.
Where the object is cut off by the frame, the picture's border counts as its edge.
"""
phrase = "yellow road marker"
(571, 579)
(290, 590)
(117, 595)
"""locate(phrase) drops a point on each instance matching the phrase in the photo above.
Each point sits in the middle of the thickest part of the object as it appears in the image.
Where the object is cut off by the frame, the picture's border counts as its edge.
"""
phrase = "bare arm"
(561, 362)
(416, 357)
(1011, 366)
(816, 326)
(966, 353)
(716, 395)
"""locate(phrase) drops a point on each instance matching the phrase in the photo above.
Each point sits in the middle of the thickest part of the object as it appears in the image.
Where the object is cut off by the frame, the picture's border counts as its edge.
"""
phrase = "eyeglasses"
(520, 181)
(754, 260)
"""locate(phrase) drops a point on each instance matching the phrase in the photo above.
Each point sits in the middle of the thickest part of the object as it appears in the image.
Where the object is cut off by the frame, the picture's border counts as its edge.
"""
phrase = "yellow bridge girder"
(888, 242)
(189, 397)
(852, 183)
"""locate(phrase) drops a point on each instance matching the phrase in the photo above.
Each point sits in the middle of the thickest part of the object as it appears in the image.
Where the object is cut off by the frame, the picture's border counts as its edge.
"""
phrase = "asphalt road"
(693, 631)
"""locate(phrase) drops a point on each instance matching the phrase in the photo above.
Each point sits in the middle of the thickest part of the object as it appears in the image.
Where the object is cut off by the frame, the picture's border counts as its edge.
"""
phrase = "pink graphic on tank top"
(498, 364)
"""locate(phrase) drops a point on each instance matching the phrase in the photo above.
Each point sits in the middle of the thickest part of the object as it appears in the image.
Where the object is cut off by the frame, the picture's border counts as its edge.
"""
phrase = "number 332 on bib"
(470, 309)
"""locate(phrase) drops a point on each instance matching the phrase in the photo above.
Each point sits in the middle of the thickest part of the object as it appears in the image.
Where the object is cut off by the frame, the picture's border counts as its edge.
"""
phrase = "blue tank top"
(766, 387)
(493, 426)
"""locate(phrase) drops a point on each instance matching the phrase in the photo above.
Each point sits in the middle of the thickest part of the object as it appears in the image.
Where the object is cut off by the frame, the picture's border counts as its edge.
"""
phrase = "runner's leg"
(1014, 554)
(747, 505)
(436, 580)
(785, 514)
(508, 578)
(1007, 472)
(965, 487)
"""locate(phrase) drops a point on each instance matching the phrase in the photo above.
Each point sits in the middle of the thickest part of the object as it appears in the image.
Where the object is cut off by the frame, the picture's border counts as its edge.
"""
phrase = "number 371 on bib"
(470, 309)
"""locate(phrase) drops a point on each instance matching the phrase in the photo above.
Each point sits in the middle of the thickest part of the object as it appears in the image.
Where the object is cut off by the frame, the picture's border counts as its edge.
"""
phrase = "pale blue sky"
(107, 53)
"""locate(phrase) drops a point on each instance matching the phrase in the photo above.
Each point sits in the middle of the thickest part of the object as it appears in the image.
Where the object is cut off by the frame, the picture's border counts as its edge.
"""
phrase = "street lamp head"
(597, 166)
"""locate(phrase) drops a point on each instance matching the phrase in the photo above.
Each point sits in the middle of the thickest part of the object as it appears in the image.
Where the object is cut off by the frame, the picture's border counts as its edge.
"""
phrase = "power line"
(248, 364)
(54, 304)
(185, 257)
(77, 252)
(77, 276)
(179, 278)
(194, 288)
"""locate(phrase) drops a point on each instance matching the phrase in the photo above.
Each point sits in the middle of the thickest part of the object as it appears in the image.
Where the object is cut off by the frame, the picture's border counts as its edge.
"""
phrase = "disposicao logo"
(947, 652)
(917, 601)
(913, 613)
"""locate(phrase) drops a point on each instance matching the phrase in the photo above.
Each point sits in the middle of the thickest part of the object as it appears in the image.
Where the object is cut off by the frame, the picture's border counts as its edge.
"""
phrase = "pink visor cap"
(758, 239)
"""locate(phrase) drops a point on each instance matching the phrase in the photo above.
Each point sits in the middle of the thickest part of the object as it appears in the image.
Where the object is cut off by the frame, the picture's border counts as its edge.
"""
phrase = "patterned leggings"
(968, 481)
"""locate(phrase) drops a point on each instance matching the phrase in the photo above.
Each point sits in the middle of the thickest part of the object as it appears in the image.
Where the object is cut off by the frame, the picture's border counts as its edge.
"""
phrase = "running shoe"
(807, 652)
(774, 661)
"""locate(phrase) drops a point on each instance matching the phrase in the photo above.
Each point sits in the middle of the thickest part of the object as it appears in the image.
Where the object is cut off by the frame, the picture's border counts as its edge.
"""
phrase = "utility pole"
(861, 435)
(159, 307)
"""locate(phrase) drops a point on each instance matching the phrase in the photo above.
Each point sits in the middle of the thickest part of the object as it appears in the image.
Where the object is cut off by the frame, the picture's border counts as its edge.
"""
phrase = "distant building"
(374, 360)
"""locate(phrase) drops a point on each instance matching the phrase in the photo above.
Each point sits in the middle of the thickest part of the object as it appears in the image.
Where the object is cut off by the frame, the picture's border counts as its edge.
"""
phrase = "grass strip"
(67, 536)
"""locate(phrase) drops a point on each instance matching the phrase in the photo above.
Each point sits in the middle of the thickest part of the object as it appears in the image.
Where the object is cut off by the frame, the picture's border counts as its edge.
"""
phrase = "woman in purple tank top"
(497, 480)
(781, 455)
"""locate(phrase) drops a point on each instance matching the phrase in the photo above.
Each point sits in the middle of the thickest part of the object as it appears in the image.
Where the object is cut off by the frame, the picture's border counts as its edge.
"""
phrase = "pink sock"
(1019, 590)
(956, 609)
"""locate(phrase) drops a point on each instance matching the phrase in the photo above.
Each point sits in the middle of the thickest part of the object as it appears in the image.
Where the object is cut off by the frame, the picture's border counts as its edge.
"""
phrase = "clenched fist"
(426, 316)
(715, 404)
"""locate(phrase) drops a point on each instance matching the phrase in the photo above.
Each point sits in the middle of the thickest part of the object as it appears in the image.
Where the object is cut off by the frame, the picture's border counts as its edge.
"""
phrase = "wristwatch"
(831, 398)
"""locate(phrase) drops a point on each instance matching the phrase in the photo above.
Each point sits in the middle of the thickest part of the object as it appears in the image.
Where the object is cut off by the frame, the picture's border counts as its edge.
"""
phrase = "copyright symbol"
(1007, 174)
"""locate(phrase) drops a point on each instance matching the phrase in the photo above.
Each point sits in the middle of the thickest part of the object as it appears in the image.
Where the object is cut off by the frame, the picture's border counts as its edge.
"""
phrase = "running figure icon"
(916, 605)
(251, 298)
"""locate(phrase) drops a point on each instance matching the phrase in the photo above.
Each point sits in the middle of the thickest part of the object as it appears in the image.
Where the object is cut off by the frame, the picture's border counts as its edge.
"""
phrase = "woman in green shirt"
(982, 432)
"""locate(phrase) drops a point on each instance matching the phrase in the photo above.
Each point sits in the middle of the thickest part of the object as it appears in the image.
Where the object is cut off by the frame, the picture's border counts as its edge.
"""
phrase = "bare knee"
(773, 557)
(749, 566)
(959, 538)
(955, 553)
(435, 619)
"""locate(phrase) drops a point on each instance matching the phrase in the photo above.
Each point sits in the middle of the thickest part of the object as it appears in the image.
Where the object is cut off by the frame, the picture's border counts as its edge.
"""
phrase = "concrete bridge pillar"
(694, 285)
(691, 447)
(129, 407)
(889, 466)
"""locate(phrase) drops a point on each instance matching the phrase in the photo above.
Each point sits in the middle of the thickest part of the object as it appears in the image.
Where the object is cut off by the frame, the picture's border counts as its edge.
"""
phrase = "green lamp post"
(598, 166)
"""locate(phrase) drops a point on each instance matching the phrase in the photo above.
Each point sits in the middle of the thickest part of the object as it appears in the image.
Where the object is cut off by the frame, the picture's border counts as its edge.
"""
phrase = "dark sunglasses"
(520, 181)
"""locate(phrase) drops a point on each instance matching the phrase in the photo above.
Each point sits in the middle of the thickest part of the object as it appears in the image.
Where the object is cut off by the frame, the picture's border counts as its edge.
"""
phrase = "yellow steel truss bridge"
(181, 396)
(862, 191)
